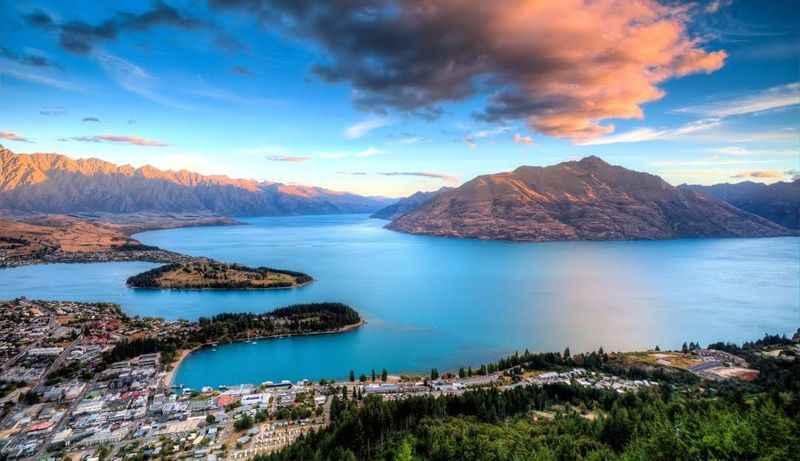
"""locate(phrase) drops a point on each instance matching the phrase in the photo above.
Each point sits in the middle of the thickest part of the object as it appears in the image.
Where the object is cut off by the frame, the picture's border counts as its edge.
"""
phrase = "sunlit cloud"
(11, 136)
(363, 127)
(520, 139)
(393, 55)
(117, 139)
(763, 174)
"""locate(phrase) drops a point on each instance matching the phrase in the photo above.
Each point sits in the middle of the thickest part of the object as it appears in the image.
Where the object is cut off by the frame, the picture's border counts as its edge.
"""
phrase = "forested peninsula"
(294, 320)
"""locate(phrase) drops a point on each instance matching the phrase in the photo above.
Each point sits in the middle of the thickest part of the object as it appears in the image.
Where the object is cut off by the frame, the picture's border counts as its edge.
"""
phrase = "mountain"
(52, 183)
(778, 202)
(404, 205)
(579, 200)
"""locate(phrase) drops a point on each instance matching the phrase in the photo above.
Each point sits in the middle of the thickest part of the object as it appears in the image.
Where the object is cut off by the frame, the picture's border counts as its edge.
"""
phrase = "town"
(65, 396)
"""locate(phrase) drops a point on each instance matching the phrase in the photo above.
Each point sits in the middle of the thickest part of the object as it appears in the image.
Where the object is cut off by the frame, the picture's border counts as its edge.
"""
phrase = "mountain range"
(52, 183)
(579, 200)
(404, 205)
(778, 202)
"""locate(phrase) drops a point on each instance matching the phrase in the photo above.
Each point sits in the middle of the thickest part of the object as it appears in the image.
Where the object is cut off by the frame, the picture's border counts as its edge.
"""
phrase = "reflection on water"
(436, 302)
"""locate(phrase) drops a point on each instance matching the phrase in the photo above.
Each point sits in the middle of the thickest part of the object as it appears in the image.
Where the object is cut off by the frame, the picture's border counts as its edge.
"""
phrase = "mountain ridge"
(406, 204)
(579, 200)
(54, 183)
(778, 202)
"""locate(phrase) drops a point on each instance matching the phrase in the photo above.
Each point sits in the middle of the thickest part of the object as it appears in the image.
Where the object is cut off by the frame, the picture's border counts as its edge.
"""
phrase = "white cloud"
(651, 134)
(715, 161)
(738, 151)
(19, 72)
(363, 127)
(471, 138)
(369, 152)
(490, 133)
(772, 98)
(411, 140)
(136, 80)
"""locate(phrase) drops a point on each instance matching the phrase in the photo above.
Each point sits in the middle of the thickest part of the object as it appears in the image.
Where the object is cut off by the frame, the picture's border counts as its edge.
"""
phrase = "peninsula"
(212, 275)
(294, 320)
(43, 239)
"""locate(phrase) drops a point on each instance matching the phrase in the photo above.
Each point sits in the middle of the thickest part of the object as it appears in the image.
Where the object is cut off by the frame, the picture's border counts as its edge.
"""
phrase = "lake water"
(445, 303)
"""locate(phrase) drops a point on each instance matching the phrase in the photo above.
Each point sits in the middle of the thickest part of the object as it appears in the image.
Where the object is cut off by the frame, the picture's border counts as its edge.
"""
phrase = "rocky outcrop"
(410, 203)
(52, 183)
(778, 202)
(580, 200)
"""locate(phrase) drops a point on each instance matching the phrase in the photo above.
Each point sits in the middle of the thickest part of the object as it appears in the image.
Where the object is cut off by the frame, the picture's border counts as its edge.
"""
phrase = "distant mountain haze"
(52, 183)
(778, 202)
(404, 205)
(579, 200)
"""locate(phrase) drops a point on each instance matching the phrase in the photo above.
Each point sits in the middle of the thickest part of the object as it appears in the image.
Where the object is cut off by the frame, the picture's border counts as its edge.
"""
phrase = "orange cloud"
(519, 139)
(767, 174)
(11, 136)
(601, 60)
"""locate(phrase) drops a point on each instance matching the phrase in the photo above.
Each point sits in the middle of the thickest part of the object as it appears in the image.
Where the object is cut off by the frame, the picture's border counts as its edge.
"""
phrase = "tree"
(352, 376)
(210, 419)
(373, 375)
(684, 348)
(567, 354)
(434, 373)
(244, 423)
(384, 375)
(362, 378)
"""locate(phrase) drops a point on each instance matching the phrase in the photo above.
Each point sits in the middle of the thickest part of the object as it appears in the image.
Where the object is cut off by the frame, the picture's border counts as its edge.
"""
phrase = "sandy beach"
(170, 375)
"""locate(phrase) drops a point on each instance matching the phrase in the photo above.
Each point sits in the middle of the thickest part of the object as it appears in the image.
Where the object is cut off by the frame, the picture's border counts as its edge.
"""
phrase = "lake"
(446, 303)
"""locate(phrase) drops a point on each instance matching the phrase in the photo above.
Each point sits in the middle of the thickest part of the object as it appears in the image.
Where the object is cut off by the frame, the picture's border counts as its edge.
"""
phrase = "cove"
(445, 303)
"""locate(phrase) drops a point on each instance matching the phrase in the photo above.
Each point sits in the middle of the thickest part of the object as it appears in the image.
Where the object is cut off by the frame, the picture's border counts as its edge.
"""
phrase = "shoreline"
(169, 378)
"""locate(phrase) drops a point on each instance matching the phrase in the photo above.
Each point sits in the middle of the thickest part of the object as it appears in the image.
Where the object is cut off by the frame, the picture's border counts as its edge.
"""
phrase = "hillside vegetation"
(197, 275)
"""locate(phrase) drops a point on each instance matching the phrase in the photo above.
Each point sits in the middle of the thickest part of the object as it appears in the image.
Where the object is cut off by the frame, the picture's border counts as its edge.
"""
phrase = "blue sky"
(256, 89)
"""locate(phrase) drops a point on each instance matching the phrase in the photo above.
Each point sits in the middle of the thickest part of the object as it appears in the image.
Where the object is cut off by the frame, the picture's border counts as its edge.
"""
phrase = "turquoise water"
(436, 302)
